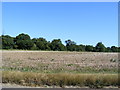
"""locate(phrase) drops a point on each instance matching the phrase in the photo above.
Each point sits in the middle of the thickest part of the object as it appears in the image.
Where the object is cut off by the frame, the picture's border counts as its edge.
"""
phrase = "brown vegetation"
(48, 68)
(60, 79)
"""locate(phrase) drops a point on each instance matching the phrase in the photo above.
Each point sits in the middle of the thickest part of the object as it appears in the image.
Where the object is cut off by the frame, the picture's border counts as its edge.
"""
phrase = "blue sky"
(85, 23)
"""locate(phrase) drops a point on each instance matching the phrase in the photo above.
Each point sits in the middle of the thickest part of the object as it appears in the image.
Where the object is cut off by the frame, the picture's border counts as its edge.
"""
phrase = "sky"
(83, 22)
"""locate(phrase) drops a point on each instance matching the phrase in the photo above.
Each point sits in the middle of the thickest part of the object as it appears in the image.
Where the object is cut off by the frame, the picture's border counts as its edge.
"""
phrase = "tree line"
(24, 42)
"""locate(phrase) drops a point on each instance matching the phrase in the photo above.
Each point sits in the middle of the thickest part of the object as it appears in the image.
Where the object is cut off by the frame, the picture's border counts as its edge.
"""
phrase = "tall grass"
(60, 79)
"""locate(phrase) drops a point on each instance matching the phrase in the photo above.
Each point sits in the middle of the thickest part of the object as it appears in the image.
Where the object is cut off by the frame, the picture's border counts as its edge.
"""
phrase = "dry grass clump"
(60, 79)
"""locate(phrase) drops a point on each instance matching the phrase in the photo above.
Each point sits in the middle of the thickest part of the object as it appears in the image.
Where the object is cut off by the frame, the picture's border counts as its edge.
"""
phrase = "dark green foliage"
(77, 48)
(69, 42)
(82, 47)
(34, 47)
(118, 49)
(25, 44)
(23, 41)
(34, 40)
(71, 45)
(57, 45)
(114, 49)
(100, 47)
(41, 43)
(71, 48)
(108, 49)
(7, 42)
(22, 37)
(89, 48)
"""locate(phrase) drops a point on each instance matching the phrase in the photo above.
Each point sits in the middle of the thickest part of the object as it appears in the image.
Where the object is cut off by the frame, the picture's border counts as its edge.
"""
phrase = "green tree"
(42, 44)
(114, 49)
(34, 47)
(25, 44)
(89, 48)
(57, 45)
(108, 49)
(118, 49)
(22, 36)
(82, 47)
(71, 45)
(34, 40)
(77, 48)
(23, 41)
(69, 42)
(100, 47)
(7, 42)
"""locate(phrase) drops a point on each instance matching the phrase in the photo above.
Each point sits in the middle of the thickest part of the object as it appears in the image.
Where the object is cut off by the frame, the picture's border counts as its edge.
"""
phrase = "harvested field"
(60, 69)
(55, 62)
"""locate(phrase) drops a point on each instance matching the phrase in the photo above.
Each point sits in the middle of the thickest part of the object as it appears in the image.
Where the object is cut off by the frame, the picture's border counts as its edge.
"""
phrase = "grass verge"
(60, 79)
(63, 70)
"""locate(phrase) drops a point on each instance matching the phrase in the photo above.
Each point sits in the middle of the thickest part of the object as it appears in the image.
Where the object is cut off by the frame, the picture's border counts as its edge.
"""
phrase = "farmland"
(60, 68)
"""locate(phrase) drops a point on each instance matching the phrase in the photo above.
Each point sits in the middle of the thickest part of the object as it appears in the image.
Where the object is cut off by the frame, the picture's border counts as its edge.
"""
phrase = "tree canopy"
(24, 42)
(100, 47)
